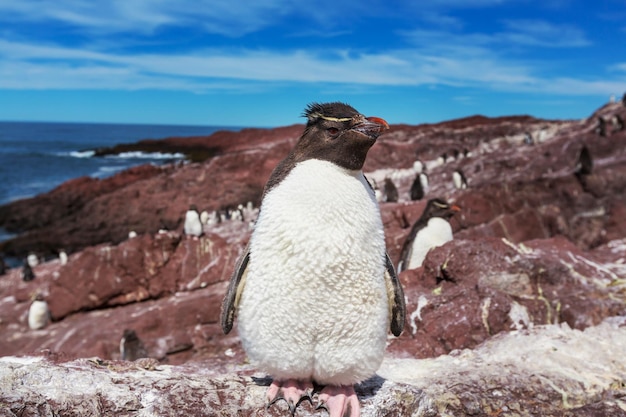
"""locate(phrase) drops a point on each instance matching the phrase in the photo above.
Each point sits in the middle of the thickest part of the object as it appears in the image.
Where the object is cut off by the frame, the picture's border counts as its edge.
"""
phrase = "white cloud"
(619, 67)
(225, 17)
(521, 32)
(542, 33)
(29, 66)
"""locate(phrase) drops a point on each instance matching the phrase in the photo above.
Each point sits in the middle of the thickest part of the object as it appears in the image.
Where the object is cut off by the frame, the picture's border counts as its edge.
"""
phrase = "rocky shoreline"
(539, 248)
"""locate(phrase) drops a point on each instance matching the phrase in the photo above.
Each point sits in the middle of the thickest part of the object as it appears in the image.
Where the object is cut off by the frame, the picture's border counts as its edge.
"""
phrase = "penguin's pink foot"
(290, 390)
(340, 401)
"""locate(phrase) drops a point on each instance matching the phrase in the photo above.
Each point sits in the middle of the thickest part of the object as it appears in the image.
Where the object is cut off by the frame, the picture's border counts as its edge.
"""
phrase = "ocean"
(37, 157)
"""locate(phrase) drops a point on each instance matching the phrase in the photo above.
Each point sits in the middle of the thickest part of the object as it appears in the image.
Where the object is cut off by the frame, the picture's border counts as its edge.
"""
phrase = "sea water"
(37, 157)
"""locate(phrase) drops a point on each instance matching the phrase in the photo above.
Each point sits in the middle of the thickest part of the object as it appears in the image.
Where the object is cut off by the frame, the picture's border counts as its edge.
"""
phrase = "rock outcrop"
(537, 259)
(544, 371)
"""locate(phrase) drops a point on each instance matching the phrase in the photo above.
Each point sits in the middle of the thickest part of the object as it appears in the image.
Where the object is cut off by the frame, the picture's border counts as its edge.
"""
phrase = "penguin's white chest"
(314, 303)
(192, 226)
(38, 315)
(437, 232)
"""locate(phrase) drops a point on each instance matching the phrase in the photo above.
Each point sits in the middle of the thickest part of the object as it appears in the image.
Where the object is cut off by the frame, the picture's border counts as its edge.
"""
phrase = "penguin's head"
(336, 132)
(436, 207)
(129, 335)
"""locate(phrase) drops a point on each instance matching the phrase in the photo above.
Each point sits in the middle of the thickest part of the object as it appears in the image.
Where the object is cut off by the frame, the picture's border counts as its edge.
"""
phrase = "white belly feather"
(314, 303)
(437, 232)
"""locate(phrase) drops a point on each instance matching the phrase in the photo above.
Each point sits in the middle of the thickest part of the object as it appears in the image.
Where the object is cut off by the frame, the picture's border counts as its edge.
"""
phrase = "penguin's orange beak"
(382, 122)
(373, 127)
(455, 208)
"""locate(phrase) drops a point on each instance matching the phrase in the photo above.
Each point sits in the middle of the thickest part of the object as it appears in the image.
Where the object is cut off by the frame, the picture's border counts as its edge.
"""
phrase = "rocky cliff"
(538, 258)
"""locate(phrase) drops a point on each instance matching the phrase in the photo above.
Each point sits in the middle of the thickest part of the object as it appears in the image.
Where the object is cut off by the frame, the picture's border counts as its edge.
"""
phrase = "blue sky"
(258, 63)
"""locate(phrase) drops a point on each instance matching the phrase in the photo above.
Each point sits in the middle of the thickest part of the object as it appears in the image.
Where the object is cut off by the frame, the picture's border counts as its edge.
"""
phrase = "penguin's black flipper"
(233, 294)
(395, 295)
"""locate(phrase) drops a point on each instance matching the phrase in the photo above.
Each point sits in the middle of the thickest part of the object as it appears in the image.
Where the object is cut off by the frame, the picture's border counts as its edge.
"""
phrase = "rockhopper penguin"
(430, 230)
(315, 290)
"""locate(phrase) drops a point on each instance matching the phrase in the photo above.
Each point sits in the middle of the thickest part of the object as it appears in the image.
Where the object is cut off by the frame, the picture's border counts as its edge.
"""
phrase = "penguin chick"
(193, 226)
(131, 346)
(314, 290)
(38, 313)
(429, 231)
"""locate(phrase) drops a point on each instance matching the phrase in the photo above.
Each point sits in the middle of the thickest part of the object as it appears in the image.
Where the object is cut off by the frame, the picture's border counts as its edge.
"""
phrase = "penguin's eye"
(332, 130)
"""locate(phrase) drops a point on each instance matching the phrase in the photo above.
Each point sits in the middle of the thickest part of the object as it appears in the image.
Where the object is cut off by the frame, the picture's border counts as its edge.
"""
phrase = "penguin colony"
(315, 291)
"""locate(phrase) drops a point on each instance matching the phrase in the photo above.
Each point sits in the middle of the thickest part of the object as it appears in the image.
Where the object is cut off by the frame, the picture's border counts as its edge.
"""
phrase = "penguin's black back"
(417, 191)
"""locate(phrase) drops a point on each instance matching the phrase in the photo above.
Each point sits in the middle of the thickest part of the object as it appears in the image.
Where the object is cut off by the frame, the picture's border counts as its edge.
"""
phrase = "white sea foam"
(108, 171)
(147, 155)
(82, 154)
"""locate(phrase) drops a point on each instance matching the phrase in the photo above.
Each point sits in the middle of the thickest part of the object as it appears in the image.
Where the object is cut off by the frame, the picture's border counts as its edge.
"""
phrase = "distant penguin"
(390, 193)
(204, 217)
(38, 313)
(624, 99)
(237, 215)
(192, 227)
(418, 166)
(27, 272)
(63, 257)
(32, 260)
(618, 123)
(601, 127)
(528, 139)
(424, 182)
(460, 182)
(131, 347)
(417, 191)
(584, 166)
(430, 230)
(3, 266)
(213, 219)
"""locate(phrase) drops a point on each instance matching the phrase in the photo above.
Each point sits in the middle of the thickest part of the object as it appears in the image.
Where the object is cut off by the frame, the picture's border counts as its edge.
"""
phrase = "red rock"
(562, 260)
